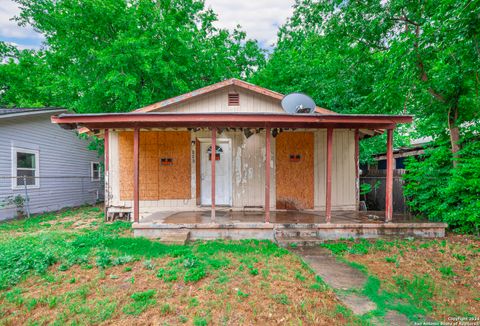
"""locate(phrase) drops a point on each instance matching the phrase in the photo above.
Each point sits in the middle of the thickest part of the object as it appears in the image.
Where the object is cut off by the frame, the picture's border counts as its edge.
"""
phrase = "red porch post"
(389, 179)
(212, 160)
(267, 175)
(328, 197)
(136, 141)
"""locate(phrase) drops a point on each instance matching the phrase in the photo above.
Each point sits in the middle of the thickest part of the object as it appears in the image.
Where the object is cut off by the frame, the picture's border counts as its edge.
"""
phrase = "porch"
(181, 195)
(284, 226)
(197, 163)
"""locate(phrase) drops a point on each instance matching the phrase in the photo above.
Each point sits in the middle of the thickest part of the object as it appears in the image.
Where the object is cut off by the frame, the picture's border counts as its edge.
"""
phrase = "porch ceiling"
(225, 120)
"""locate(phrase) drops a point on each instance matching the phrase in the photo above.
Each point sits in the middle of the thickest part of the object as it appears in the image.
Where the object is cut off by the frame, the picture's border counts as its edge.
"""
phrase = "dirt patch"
(67, 220)
(452, 265)
(271, 291)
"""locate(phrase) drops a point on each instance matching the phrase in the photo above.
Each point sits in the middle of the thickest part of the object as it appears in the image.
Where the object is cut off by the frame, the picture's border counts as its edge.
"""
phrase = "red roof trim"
(150, 120)
(217, 86)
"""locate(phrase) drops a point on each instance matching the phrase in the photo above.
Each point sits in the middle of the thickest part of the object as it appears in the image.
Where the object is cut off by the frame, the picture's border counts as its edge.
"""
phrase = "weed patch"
(141, 301)
(74, 268)
(417, 277)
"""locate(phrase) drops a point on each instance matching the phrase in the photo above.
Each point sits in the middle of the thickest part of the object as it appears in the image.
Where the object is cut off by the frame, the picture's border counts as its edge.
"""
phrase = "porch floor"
(276, 217)
(284, 226)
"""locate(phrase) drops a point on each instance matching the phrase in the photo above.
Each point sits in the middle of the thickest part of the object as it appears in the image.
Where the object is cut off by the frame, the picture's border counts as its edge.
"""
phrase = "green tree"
(117, 55)
(396, 56)
(441, 193)
(376, 56)
(24, 77)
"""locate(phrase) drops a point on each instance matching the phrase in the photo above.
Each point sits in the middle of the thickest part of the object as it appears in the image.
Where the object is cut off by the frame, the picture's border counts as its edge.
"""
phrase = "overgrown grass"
(394, 284)
(104, 247)
(88, 272)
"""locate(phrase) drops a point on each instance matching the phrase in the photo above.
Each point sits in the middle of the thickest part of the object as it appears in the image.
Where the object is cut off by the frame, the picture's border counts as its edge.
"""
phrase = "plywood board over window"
(294, 170)
(164, 165)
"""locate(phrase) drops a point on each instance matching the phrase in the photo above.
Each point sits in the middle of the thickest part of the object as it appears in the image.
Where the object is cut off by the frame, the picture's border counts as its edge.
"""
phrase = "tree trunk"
(454, 132)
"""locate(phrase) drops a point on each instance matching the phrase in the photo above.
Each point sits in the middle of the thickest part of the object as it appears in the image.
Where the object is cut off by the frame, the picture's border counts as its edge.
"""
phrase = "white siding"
(343, 169)
(248, 168)
(218, 102)
(248, 172)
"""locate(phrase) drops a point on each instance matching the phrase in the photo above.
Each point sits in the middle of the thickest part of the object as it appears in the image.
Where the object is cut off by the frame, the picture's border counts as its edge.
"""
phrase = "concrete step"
(289, 242)
(296, 233)
(179, 237)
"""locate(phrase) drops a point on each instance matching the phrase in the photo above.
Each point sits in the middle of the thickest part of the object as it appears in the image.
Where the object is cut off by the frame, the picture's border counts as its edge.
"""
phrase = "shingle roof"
(26, 111)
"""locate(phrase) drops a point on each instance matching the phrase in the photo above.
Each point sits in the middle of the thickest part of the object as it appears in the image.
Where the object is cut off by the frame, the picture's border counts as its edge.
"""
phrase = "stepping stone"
(341, 277)
(392, 318)
(286, 242)
(338, 275)
(359, 304)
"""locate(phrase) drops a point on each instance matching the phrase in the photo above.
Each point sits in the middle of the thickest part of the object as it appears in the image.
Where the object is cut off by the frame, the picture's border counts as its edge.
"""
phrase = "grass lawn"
(437, 278)
(72, 268)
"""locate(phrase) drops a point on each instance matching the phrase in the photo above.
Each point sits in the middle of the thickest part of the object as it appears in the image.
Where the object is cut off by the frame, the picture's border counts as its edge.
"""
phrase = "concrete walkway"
(344, 278)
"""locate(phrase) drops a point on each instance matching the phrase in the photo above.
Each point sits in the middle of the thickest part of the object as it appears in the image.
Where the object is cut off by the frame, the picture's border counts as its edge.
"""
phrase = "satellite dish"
(298, 103)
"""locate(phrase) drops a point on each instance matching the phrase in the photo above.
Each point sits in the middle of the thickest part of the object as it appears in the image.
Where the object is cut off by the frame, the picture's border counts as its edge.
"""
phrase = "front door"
(223, 175)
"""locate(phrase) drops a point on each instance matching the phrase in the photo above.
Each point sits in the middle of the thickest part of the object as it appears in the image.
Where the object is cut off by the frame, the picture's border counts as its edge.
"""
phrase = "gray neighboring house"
(57, 166)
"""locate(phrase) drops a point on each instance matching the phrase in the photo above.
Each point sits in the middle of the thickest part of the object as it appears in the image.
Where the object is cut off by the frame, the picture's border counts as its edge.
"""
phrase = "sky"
(259, 18)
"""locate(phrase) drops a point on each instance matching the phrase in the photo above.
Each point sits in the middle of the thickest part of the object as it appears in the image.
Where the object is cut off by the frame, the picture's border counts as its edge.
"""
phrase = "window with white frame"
(95, 171)
(25, 168)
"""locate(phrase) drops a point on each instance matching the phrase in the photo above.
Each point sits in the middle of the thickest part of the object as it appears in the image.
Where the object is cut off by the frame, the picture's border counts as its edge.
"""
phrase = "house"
(416, 148)
(227, 161)
(51, 167)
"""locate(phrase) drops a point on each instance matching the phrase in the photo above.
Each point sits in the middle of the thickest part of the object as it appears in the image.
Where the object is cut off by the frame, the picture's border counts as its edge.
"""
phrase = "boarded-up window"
(294, 170)
(233, 99)
(157, 180)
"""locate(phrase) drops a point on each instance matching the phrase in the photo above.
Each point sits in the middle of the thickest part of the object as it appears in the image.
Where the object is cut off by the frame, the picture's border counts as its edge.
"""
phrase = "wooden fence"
(375, 199)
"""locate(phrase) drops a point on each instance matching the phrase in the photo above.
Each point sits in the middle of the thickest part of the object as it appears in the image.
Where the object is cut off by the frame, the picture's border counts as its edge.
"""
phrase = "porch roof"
(228, 120)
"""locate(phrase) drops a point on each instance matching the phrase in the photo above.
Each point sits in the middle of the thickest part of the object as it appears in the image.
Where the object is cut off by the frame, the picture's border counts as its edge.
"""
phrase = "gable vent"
(233, 99)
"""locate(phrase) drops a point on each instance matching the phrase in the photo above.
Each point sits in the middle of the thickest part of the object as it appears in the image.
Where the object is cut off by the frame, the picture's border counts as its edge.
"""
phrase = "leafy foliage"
(57, 271)
(383, 57)
(398, 57)
(442, 193)
(18, 258)
(120, 55)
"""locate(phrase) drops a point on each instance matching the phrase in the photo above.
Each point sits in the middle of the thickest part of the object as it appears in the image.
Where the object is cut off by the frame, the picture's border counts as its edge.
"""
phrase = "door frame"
(229, 166)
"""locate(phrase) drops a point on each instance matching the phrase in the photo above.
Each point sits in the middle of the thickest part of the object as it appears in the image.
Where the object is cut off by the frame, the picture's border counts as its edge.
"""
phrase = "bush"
(439, 192)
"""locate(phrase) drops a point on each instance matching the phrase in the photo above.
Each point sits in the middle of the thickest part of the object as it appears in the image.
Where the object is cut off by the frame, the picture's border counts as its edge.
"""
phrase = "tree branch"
(436, 95)
(423, 73)
(406, 20)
